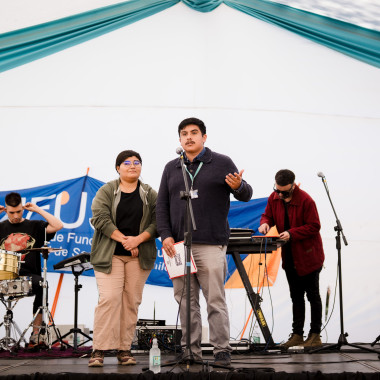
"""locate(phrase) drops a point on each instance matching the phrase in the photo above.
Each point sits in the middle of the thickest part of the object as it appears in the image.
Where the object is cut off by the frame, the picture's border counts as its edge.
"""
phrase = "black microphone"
(320, 174)
(179, 150)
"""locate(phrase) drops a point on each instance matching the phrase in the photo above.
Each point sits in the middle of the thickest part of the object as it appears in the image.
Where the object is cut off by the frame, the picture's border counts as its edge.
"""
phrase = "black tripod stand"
(342, 341)
(75, 330)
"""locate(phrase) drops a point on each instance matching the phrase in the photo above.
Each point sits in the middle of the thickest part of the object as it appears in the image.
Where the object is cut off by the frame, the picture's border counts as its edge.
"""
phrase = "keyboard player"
(295, 214)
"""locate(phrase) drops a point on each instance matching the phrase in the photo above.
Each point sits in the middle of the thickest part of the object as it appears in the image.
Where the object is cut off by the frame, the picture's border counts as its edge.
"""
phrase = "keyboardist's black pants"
(298, 286)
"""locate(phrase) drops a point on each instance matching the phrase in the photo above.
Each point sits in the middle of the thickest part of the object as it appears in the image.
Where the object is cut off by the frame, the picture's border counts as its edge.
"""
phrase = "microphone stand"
(189, 226)
(375, 341)
(342, 341)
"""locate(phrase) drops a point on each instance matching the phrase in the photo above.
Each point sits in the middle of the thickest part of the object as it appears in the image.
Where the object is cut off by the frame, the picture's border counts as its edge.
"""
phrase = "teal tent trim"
(26, 45)
(357, 42)
(203, 5)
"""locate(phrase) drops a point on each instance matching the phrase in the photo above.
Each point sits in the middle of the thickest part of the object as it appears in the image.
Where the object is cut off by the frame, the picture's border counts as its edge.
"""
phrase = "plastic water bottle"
(256, 335)
(155, 357)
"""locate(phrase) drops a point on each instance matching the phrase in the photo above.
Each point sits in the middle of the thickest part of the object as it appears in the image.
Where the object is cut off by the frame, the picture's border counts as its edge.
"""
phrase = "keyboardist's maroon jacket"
(307, 249)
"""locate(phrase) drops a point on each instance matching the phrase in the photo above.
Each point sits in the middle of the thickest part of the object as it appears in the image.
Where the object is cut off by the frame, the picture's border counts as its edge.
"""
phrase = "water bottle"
(155, 357)
(256, 335)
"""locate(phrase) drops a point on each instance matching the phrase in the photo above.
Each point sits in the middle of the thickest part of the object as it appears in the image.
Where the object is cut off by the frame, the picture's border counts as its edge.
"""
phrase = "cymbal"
(48, 249)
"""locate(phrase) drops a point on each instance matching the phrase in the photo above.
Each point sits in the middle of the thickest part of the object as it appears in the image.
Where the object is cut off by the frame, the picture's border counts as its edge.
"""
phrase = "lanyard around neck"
(193, 177)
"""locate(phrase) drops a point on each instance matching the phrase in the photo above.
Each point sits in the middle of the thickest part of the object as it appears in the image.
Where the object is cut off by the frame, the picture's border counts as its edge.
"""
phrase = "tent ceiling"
(365, 13)
(18, 14)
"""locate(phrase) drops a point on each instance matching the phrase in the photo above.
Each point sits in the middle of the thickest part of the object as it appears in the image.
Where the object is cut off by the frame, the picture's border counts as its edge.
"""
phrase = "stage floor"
(348, 360)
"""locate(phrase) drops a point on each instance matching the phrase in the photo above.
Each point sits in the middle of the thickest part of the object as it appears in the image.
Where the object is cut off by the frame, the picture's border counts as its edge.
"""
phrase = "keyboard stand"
(254, 300)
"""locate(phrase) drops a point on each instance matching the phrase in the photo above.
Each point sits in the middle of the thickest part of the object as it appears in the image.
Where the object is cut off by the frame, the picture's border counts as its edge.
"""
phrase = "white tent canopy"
(270, 99)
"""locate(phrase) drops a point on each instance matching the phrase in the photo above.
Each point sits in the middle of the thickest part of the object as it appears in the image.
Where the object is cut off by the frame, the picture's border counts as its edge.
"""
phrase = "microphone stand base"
(342, 341)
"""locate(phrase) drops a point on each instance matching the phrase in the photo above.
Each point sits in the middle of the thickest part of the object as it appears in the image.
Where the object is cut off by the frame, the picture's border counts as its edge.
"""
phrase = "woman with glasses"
(123, 253)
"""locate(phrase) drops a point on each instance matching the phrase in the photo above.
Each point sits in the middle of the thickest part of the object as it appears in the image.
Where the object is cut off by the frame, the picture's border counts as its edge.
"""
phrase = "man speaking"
(213, 177)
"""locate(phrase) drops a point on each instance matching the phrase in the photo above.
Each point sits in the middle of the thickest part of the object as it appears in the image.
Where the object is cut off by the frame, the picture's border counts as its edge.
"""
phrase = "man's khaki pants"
(210, 261)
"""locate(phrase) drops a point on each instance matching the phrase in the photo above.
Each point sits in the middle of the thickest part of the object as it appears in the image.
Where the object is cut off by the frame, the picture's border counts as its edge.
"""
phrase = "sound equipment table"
(242, 242)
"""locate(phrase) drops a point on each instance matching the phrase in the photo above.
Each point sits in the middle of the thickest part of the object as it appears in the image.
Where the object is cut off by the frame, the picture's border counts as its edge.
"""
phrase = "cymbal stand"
(8, 342)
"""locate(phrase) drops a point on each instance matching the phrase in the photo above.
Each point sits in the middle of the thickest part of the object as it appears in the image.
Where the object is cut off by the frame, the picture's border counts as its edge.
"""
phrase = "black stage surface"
(347, 363)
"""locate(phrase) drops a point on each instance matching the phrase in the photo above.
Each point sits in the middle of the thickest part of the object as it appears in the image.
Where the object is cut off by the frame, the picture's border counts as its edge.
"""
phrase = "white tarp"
(270, 100)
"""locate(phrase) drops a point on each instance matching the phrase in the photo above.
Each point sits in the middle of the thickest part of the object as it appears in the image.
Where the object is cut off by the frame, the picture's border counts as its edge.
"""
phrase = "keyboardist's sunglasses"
(285, 194)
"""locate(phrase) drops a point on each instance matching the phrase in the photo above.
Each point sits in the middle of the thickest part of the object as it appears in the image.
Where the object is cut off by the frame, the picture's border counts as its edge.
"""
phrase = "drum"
(18, 287)
(9, 265)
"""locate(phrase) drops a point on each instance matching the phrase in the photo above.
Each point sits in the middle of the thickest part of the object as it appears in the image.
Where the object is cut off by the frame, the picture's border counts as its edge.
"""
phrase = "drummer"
(18, 233)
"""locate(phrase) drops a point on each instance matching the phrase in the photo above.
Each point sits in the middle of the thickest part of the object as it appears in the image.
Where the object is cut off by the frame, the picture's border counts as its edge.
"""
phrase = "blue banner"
(70, 201)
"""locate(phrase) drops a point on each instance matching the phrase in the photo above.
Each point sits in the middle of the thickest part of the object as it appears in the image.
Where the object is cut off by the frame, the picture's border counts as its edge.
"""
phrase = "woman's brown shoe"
(96, 359)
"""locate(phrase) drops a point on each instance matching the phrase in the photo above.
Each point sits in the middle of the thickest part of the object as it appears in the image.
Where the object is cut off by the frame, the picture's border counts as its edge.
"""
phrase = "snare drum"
(9, 265)
(18, 287)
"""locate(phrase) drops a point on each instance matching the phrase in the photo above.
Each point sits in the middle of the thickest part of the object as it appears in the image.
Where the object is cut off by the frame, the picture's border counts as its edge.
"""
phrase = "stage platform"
(347, 363)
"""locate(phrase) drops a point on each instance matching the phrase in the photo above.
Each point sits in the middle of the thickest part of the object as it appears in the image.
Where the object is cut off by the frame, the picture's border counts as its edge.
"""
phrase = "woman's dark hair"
(284, 177)
(122, 156)
(192, 120)
(13, 199)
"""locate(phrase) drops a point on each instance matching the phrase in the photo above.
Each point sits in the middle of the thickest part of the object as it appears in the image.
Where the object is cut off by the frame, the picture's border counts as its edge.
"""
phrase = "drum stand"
(45, 327)
(7, 343)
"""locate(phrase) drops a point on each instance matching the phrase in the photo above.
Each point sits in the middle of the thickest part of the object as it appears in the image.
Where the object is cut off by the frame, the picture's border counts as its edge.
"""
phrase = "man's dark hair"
(192, 120)
(122, 156)
(13, 199)
(284, 177)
